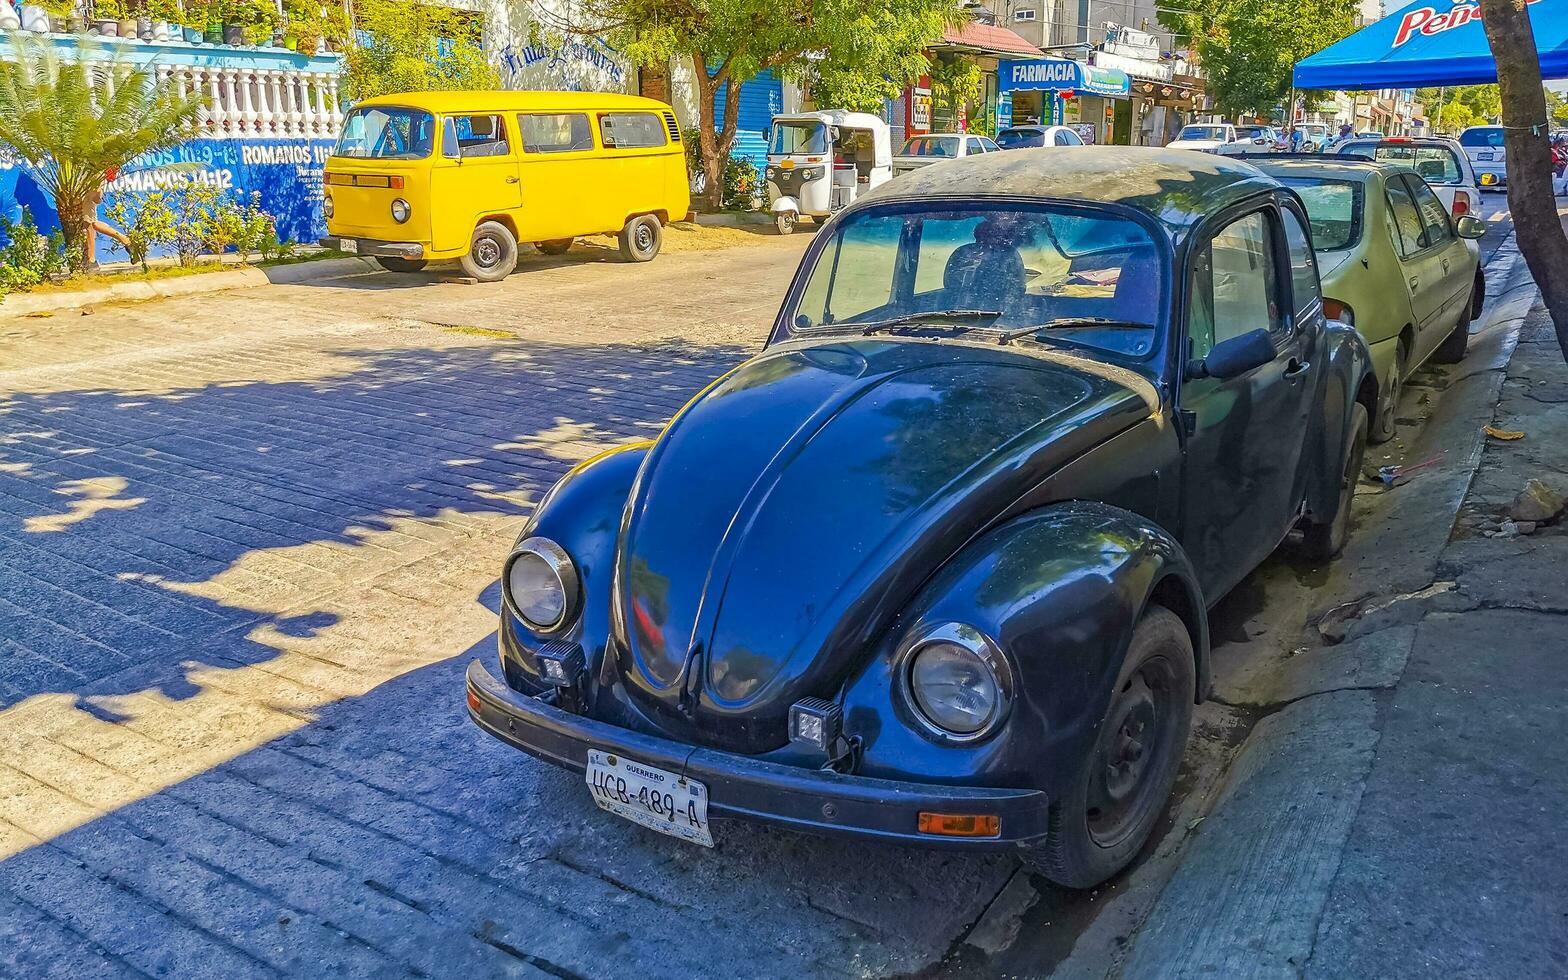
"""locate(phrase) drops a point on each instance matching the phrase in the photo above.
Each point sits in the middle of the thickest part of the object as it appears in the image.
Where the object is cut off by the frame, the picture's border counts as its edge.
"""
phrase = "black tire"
(492, 253)
(1125, 783)
(557, 246)
(785, 222)
(394, 264)
(1324, 542)
(1385, 424)
(641, 238)
(1478, 296)
(1452, 349)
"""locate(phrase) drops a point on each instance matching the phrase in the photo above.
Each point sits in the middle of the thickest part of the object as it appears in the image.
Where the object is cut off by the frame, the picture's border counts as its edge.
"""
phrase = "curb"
(733, 219)
(134, 291)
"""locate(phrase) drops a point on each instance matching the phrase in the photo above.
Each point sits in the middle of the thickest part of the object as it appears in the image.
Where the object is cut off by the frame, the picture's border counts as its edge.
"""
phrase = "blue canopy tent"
(1430, 43)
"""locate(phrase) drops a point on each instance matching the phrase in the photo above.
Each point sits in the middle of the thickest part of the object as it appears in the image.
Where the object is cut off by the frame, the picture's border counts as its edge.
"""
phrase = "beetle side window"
(1235, 285)
(631, 130)
(482, 136)
(1434, 216)
(1303, 267)
(558, 132)
(1409, 232)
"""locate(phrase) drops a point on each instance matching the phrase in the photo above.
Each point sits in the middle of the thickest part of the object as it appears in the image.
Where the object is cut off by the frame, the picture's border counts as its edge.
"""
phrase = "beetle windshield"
(1026, 267)
(387, 133)
(798, 137)
(1333, 210)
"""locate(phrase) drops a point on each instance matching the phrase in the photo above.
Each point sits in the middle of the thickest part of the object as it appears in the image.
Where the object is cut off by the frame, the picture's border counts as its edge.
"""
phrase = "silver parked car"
(921, 151)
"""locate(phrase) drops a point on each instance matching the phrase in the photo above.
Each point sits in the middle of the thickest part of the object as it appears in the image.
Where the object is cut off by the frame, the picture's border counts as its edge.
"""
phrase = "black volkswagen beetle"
(935, 567)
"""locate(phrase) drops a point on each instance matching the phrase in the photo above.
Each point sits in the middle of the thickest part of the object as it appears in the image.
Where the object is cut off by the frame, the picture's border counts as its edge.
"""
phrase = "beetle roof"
(1178, 187)
(489, 101)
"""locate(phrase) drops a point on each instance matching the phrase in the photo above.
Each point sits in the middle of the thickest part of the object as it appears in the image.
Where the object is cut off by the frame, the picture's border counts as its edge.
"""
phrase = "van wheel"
(1106, 817)
(392, 263)
(556, 246)
(641, 238)
(785, 222)
(492, 253)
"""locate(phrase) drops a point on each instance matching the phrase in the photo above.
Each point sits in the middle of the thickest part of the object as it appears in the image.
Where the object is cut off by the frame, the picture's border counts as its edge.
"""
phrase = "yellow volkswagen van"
(468, 175)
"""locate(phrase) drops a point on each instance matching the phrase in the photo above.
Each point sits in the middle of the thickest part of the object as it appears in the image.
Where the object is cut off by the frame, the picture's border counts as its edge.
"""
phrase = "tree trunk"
(1526, 138)
(708, 145)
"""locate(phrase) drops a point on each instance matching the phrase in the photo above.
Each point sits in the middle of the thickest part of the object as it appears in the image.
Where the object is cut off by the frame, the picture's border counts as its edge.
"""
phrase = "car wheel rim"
(1131, 754)
(1391, 408)
(487, 252)
(643, 238)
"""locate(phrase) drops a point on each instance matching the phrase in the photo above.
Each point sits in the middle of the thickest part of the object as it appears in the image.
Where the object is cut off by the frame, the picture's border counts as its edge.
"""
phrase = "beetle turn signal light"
(961, 824)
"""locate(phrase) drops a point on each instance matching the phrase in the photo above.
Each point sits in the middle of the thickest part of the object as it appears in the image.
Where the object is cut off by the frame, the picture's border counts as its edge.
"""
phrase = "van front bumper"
(746, 788)
(371, 246)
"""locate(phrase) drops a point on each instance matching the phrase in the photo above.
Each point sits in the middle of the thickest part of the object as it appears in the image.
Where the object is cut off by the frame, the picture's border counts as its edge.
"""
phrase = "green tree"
(855, 50)
(398, 46)
(1457, 106)
(72, 122)
(1248, 48)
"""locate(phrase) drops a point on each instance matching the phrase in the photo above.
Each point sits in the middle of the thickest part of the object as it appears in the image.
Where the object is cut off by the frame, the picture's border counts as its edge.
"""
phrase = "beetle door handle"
(511, 180)
(1295, 368)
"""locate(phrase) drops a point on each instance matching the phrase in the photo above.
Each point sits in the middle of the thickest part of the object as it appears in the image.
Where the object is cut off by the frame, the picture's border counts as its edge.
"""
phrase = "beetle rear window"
(1057, 269)
(1333, 210)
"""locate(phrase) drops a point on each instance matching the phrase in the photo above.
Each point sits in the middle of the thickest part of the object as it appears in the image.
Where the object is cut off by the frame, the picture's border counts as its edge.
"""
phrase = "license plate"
(348, 245)
(1484, 155)
(657, 799)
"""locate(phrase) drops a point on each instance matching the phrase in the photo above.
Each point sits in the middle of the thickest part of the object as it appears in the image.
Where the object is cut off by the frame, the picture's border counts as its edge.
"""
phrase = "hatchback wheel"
(492, 253)
(641, 238)
(1388, 408)
(1101, 825)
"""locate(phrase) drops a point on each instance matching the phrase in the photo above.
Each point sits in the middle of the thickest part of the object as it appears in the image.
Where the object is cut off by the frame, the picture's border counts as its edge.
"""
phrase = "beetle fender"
(1060, 590)
(1348, 371)
(581, 513)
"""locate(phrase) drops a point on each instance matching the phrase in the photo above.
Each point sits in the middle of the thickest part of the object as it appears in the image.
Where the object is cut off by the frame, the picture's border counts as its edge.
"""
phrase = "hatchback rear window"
(931, 146)
(1482, 136)
(1438, 164)
(1333, 210)
(1020, 137)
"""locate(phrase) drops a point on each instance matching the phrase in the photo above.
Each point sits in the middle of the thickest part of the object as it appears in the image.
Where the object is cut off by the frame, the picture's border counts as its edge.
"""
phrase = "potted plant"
(59, 12)
(258, 19)
(33, 18)
(10, 17)
(193, 20)
(165, 19)
(106, 17)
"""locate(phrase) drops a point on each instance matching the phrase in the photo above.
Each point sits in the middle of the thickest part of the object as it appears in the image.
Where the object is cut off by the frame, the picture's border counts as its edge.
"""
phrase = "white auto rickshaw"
(819, 162)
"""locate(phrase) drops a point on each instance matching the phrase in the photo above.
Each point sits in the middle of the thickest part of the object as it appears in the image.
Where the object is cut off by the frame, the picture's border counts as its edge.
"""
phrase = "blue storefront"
(1057, 92)
(761, 99)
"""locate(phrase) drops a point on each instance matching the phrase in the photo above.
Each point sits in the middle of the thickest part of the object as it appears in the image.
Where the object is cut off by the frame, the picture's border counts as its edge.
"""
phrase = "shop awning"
(1061, 74)
(987, 39)
(1431, 42)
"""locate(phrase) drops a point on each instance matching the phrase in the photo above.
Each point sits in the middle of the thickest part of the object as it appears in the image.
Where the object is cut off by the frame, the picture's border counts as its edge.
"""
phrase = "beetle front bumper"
(747, 788)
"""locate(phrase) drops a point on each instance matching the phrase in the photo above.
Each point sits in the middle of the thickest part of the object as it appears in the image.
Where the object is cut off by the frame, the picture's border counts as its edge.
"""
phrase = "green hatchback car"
(1394, 264)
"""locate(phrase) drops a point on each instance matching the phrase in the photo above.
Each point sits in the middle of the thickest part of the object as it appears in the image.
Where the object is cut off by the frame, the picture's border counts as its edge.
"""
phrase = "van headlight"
(400, 210)
(541, 586)
(326, 206)
(957, 683)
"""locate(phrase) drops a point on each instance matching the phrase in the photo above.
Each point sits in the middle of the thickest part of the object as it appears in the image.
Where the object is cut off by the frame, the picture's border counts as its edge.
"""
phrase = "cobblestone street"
(250, 543)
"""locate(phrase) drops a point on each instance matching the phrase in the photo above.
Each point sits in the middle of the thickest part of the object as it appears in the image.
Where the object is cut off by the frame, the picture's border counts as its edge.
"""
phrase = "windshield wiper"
(909, 319)
(1074, 323)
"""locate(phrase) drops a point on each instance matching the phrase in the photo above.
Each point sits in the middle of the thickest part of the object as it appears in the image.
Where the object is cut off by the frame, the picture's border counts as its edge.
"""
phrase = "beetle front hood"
(790, 511)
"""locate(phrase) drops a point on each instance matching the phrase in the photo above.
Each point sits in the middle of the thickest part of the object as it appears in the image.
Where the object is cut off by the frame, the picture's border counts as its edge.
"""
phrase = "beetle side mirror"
(1469, 226)
(1234, 357)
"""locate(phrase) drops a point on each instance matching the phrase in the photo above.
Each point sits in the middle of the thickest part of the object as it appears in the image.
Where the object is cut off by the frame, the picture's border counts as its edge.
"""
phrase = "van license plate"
(348, 245)
(657, 799)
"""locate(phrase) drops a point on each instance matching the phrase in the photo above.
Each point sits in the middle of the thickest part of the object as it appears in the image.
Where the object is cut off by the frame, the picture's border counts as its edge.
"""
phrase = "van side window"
(482, 136)
(557, 132)
(629, 130)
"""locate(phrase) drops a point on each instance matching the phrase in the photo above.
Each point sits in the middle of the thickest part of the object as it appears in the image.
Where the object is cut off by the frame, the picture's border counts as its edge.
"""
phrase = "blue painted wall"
(761, 99)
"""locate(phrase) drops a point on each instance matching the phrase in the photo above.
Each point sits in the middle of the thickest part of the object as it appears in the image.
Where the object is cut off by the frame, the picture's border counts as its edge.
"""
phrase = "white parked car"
(1484, 146)
(1014, 137)
(1207, 137)
(921, 151)
(1442, 162)
(1252, 140)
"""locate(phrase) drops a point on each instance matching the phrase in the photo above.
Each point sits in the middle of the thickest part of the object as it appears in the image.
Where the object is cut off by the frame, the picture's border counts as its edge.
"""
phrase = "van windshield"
(798, 137)
(387, 133)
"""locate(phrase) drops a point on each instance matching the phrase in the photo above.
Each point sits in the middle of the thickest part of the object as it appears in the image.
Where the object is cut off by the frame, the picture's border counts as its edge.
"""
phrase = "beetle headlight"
(400, 210)
(326, 206)
(540, 585)
(957, 681)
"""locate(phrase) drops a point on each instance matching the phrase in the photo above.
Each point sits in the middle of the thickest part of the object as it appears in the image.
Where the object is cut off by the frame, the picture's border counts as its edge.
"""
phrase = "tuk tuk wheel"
(556, 246)
(392, 263)
(785, 220)
(492, 253)
(641, 238)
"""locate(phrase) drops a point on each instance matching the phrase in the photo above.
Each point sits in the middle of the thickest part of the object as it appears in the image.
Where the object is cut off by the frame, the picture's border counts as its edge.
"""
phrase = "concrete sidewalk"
(1398, 813)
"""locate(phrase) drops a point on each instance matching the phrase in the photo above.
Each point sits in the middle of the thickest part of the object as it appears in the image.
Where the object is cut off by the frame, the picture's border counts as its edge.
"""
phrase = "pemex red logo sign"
(1427, 21)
